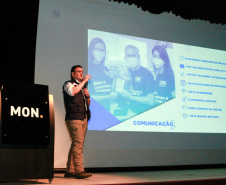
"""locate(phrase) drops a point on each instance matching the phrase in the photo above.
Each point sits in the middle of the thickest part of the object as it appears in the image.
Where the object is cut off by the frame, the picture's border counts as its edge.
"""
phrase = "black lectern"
(26, 132)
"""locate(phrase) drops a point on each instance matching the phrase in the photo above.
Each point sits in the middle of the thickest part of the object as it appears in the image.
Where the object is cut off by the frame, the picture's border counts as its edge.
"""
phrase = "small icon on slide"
(185, 115)
(184, 99)
(183, 82)
(181, 58)
(181, 65)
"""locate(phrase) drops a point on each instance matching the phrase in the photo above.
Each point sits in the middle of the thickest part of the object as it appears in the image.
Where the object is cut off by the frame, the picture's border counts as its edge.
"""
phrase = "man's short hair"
(131, 47)
(74, 67)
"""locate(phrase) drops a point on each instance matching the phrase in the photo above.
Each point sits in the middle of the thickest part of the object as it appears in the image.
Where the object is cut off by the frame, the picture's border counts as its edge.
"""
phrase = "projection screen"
(167, 110)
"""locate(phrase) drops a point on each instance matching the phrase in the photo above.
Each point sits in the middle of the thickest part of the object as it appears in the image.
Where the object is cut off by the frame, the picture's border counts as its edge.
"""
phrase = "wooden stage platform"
(184, 177)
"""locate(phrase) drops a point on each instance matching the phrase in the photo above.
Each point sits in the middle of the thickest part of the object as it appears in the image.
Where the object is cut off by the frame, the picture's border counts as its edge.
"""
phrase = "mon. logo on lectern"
(24, 111)
(25, 115)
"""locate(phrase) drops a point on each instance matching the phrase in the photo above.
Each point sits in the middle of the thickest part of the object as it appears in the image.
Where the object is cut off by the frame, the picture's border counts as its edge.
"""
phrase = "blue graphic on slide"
(100, 115)
(125, 82)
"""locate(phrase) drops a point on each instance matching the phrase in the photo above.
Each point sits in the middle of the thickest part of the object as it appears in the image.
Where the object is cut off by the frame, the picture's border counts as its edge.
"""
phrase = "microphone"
(86, 85)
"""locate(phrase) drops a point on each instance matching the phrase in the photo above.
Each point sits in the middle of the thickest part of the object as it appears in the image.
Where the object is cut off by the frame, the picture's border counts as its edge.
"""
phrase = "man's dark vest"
(74, 105)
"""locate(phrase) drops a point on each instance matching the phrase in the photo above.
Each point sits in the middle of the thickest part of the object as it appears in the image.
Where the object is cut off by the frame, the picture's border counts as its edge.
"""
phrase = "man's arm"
(87, 95)
(78, 87)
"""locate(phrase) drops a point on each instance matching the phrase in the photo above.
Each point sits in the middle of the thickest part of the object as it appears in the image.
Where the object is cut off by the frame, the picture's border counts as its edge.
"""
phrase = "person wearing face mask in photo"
(165, 81)
(101, 83)
(141, 95)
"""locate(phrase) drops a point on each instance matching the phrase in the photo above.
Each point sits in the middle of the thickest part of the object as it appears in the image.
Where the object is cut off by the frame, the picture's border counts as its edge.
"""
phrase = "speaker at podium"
(26, 131)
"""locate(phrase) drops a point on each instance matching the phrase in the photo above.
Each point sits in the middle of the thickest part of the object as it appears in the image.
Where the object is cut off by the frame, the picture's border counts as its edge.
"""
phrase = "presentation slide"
(157, 89)
(147, 85)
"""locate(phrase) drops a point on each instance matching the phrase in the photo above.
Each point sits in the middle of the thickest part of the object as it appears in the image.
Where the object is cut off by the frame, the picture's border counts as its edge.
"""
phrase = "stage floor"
(130, 177)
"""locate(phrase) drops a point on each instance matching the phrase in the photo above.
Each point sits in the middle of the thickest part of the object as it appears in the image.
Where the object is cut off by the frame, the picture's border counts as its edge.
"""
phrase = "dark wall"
(205, 10)
(18, 39)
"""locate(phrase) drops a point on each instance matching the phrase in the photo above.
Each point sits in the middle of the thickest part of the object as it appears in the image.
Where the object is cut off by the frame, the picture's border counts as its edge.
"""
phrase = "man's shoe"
(69, 175)
(82, 175)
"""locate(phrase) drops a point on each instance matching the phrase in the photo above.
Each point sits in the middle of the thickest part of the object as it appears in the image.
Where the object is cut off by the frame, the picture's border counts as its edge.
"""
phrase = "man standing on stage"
(76, 101)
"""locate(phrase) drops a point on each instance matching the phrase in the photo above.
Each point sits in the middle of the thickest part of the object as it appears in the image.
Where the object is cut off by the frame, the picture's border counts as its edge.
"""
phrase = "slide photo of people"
(130, 75)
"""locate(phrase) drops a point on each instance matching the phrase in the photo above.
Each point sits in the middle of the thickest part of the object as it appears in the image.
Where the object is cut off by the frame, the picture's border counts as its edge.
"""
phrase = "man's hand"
(86, 92)
(87, 77)
(80, 86)
(126, 95)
